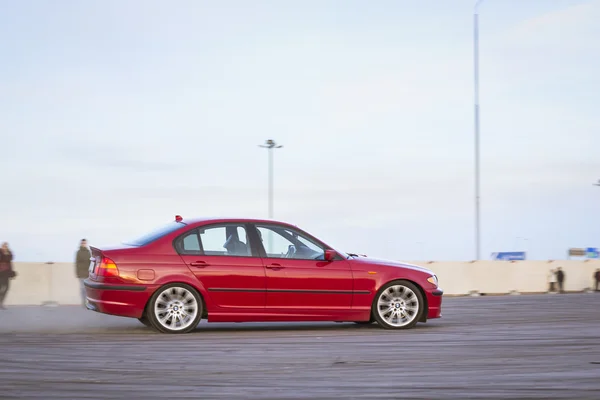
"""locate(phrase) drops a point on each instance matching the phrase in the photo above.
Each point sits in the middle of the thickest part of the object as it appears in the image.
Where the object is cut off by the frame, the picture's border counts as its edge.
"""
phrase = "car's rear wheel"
(175, 308)
(398, 305)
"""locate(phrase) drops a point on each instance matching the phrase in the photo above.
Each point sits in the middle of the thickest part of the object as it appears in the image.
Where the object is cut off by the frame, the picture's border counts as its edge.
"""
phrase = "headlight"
(433, 280)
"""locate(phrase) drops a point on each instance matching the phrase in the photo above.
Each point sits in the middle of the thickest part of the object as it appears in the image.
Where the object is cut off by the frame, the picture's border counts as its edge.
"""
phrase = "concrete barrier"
(41, 284)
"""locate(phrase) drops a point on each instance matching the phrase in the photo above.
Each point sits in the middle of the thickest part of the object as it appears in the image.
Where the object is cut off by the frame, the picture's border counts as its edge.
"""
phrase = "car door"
(299, 279)
(221, 258)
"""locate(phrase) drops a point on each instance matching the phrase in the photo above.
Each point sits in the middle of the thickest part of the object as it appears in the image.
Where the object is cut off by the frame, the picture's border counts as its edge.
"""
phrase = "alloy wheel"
(176, 308)
(398, 305)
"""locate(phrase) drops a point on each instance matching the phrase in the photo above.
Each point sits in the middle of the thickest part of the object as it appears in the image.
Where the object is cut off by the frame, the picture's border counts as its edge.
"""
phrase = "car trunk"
(98, 254)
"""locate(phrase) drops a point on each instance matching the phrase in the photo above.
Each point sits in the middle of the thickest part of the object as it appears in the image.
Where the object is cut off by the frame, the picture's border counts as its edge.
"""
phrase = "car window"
(280, 242)
(188, 243)
(311, 245)
(191, 243)
(274, 243)
(225, 240)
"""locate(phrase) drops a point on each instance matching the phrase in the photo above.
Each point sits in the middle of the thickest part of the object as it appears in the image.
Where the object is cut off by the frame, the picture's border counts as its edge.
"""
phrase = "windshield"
(155, 234)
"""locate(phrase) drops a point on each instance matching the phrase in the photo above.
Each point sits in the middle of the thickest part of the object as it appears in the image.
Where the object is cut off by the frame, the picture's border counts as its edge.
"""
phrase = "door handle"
(274, 266)
(200, 264)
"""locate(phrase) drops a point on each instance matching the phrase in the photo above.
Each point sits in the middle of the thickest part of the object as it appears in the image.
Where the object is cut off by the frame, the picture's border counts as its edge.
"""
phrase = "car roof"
(203, 220)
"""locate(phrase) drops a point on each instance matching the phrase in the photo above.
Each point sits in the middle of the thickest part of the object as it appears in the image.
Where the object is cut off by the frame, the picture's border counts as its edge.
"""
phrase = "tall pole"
(477, 174)
(270, 145)
(270, 151)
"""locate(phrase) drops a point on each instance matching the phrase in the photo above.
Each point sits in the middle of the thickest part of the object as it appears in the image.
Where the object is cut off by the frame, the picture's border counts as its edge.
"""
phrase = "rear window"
(155, 234)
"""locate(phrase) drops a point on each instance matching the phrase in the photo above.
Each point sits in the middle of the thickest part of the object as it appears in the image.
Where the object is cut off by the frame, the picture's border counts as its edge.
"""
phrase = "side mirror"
(330, 255)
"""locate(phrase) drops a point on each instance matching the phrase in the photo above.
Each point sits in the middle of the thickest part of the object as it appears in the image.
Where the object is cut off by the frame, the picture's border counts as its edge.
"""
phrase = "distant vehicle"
(248, 270)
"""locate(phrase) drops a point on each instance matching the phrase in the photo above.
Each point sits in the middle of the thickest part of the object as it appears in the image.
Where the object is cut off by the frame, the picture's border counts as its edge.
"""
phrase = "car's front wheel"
(145, 321)
(175, 308)
(398, 305)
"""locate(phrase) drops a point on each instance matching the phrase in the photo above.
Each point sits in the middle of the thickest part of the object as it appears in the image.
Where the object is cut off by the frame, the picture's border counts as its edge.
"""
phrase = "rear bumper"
(434, 301)
(114, 299)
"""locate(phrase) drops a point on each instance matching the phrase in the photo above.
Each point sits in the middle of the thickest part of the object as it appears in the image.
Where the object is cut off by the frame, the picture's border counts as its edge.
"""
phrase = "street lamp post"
(476, 84)
(270, 145)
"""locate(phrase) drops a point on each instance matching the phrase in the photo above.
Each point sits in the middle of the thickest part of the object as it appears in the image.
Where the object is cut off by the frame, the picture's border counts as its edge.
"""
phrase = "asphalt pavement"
(526, 347)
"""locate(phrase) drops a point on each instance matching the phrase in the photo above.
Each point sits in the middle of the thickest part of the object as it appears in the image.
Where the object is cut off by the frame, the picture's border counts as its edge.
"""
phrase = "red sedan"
(247, 270)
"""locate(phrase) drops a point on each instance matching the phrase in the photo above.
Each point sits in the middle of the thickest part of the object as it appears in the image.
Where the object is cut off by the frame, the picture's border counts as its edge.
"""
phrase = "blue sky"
(117, 115)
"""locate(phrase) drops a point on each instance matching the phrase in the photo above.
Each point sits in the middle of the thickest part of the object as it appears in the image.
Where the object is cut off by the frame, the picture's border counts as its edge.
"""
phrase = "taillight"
(108, 268)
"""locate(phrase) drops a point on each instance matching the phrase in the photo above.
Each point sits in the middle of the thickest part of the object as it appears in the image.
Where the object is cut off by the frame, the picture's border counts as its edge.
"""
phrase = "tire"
(398, 305)
(144, 320)
(172, 303)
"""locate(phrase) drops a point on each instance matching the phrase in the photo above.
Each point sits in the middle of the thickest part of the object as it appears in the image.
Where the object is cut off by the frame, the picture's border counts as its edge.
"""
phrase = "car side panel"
(232, 283)
(154, 270)
(366, 281)
(308, 286)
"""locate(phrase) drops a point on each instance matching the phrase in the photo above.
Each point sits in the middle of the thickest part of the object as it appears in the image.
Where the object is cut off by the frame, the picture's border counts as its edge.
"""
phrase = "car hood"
(390, 263)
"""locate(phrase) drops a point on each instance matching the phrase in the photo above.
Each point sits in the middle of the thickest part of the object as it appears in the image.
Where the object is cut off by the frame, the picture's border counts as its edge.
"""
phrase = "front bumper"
(434, 301)
(116, 299)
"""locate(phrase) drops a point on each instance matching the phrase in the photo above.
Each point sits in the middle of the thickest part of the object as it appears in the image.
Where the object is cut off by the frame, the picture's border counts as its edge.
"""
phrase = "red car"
(247, 270)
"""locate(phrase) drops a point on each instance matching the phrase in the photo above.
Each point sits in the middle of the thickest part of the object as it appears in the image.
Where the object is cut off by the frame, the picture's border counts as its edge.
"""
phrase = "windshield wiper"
(356, 255)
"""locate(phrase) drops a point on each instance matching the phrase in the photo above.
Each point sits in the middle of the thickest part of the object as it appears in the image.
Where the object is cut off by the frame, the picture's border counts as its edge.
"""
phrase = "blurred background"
(115, 116)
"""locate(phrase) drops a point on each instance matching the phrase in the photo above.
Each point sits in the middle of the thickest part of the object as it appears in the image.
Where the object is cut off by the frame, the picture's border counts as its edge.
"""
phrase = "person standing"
(6, 272)
(560, 277)
(82, 264)
(597, 278)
